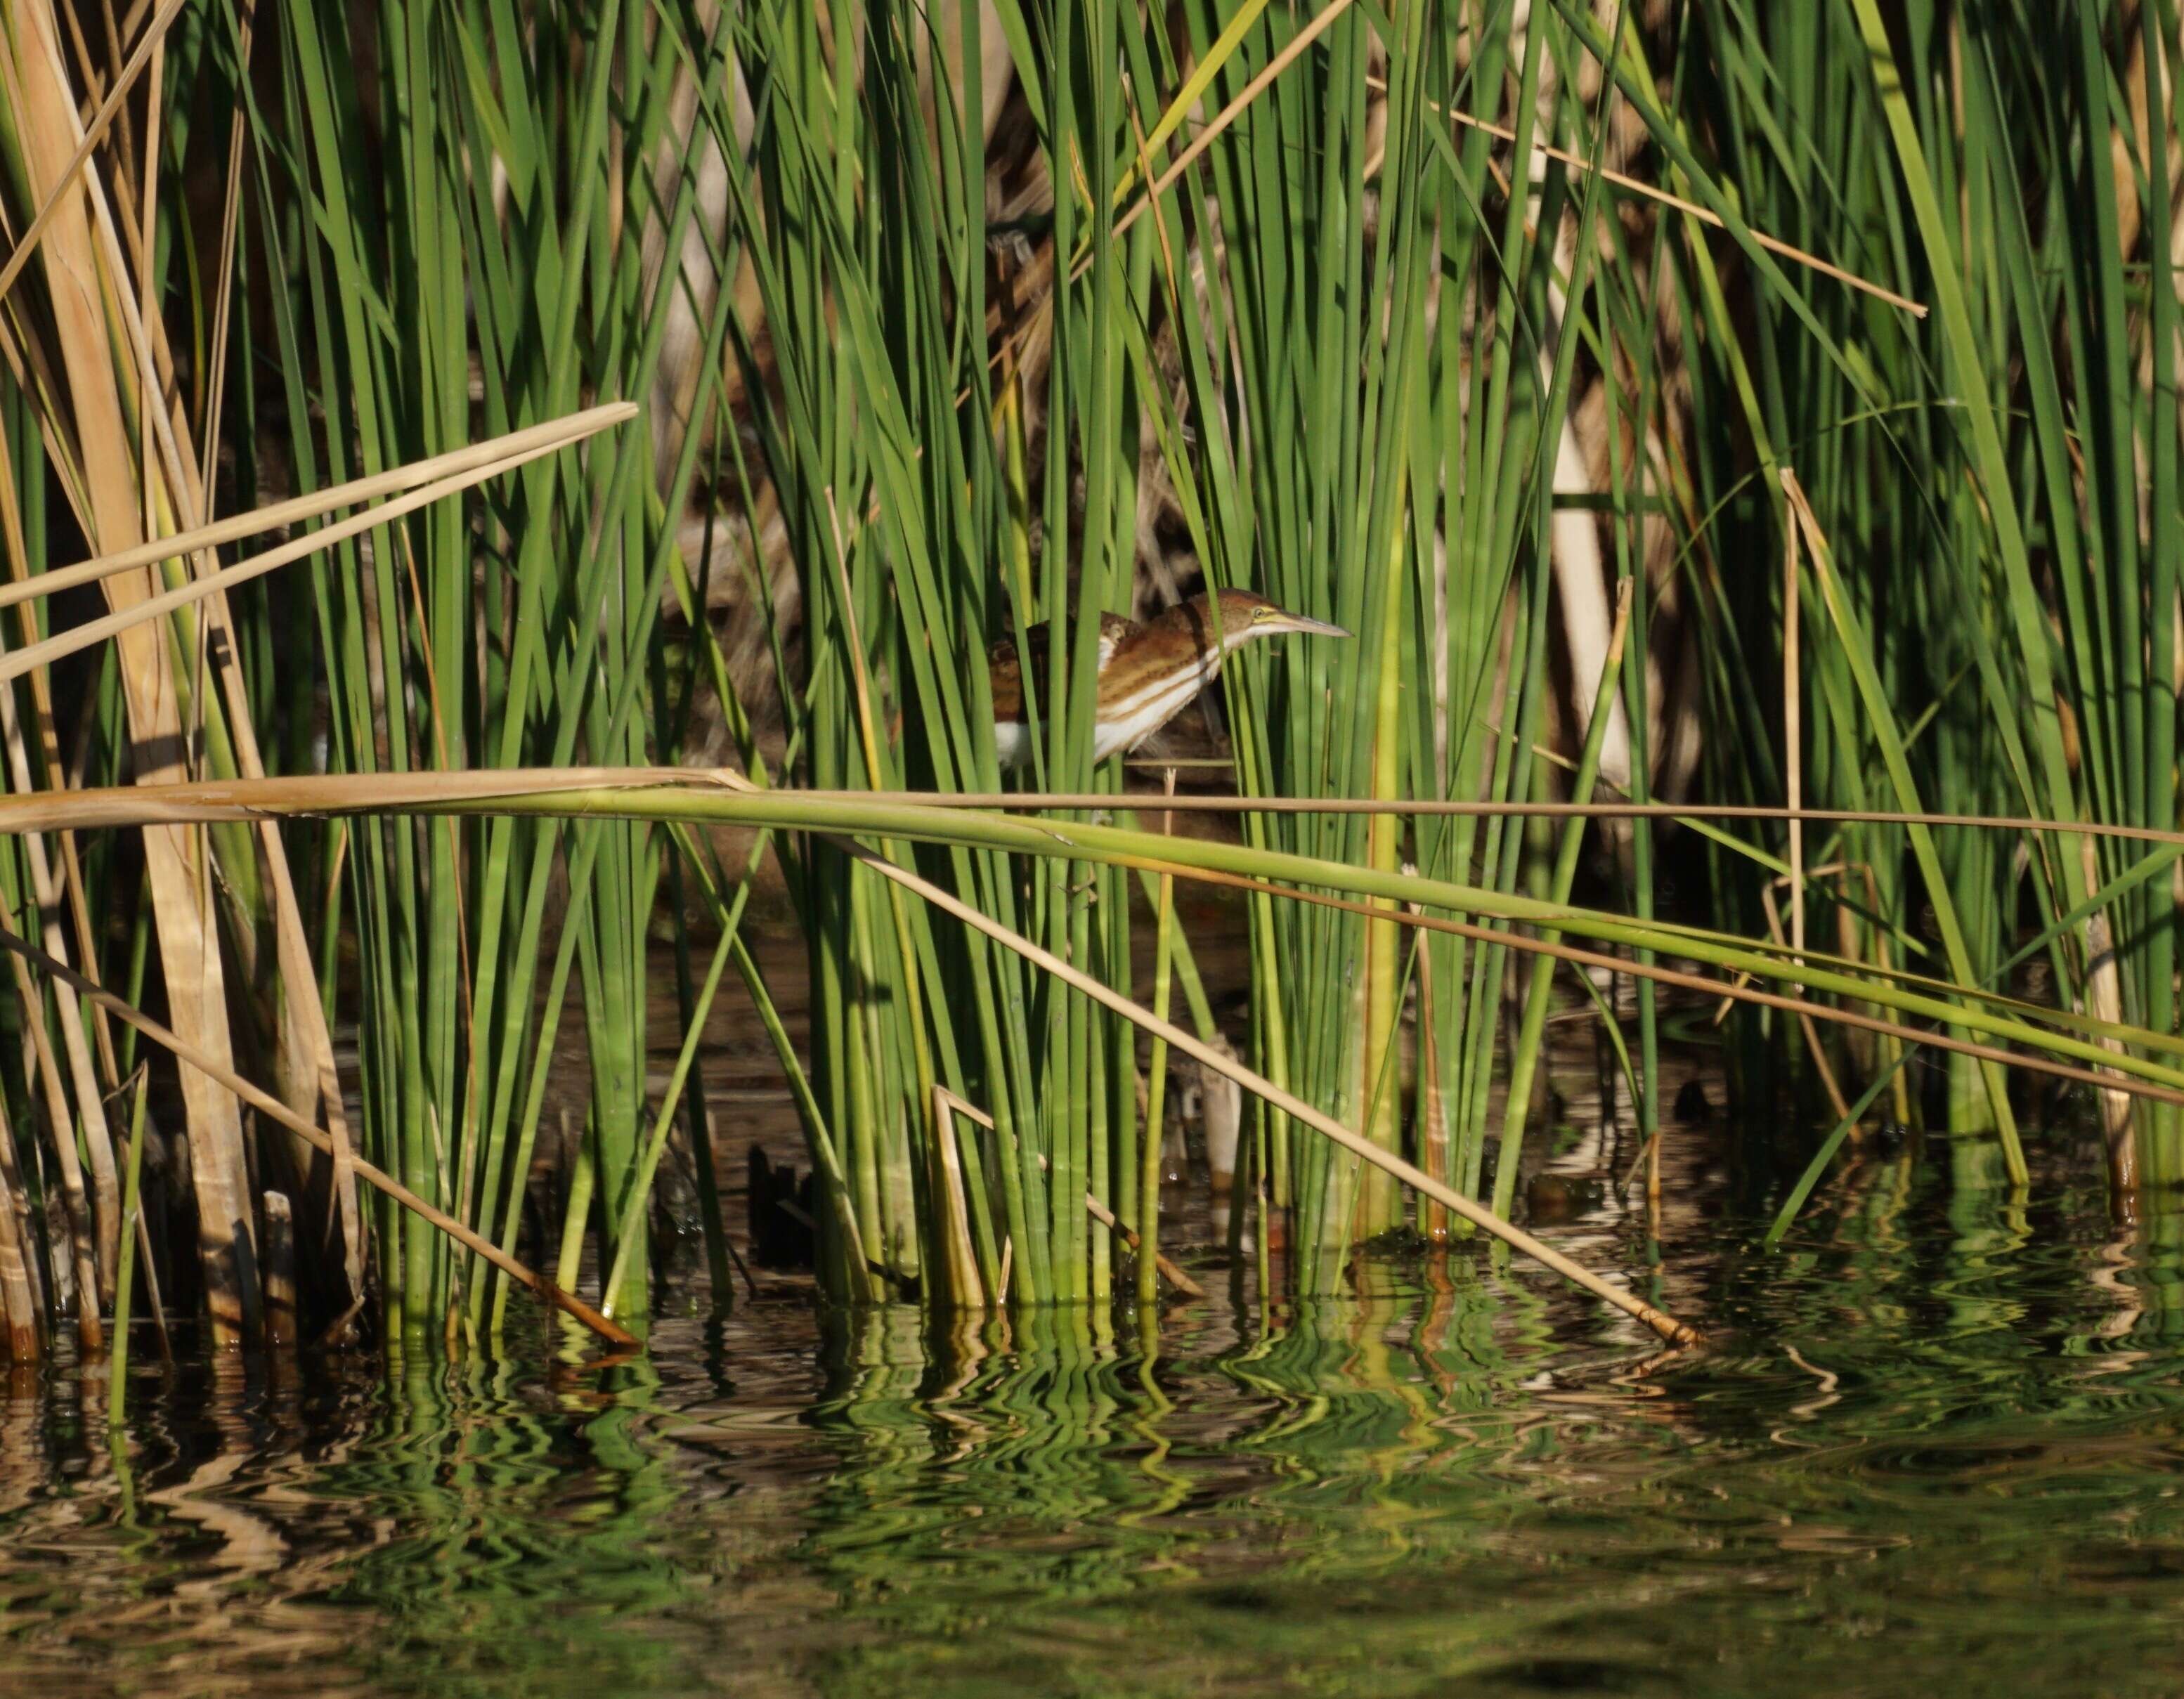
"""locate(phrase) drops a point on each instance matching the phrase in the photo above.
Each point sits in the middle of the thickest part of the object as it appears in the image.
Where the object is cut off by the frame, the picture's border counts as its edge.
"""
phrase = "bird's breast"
(1139, 701)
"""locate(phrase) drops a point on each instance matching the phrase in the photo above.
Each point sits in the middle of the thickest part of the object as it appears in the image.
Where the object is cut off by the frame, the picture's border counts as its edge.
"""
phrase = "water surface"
(1932, 1443)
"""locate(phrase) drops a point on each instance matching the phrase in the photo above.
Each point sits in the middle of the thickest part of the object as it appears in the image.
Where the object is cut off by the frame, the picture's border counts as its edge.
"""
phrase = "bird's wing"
(1006, 668)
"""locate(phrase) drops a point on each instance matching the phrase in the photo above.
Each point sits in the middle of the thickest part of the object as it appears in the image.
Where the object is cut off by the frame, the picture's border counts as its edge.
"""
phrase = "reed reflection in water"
(1942, 1450)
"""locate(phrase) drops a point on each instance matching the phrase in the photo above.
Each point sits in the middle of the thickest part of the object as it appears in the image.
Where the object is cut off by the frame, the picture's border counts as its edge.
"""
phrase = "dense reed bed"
(1739, 406)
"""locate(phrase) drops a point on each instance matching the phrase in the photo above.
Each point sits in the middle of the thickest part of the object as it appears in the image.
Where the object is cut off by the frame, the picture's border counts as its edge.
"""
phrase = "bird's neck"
(1162, 652)
(1189, 626)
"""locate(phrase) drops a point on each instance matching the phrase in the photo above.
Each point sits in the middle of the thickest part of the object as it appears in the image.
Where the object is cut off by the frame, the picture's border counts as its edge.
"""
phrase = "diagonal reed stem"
(542, 440)
(1667, 1326)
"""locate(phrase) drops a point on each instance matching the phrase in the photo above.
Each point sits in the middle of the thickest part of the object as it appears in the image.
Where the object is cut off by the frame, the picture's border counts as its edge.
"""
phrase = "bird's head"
(1245, 615)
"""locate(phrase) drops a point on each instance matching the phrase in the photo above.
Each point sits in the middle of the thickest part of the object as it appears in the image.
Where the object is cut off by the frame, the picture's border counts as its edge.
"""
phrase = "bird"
(1149, 673)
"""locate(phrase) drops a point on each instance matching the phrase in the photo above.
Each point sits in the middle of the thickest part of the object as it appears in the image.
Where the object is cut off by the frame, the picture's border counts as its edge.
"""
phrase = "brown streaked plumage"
(1149, 673)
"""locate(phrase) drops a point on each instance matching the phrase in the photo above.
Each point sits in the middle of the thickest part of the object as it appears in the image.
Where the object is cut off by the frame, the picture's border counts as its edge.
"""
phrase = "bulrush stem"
(1148, 1176)
(1524, 1061)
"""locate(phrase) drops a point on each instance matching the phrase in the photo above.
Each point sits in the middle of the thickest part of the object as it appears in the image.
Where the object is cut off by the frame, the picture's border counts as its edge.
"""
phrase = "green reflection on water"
(1935, 1441)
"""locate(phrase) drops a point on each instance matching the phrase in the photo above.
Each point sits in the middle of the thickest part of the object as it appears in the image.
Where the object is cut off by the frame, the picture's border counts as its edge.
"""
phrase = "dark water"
(1933, 1446)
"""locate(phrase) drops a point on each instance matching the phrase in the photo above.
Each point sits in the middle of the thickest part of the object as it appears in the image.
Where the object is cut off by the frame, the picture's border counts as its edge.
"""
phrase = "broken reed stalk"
(952, 1201)
(270, 1106)
(1727, 990)
(593, 793)
(329, 794)
(1174, 1276)
(1020, 802)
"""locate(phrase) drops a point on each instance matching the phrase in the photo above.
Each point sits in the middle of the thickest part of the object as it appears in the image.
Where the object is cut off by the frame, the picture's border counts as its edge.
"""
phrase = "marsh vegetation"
(488, 489)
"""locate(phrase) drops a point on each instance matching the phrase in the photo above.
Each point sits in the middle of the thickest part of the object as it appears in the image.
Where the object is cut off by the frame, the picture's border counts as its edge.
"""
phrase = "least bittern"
(1149, 673)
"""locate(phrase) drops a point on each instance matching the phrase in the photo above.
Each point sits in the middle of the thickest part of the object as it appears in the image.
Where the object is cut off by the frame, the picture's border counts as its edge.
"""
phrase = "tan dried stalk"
(85, 294)
(302, 1047)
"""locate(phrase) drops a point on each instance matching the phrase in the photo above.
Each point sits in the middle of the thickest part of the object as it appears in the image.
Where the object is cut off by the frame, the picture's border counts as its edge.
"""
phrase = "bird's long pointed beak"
(1310, 628)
